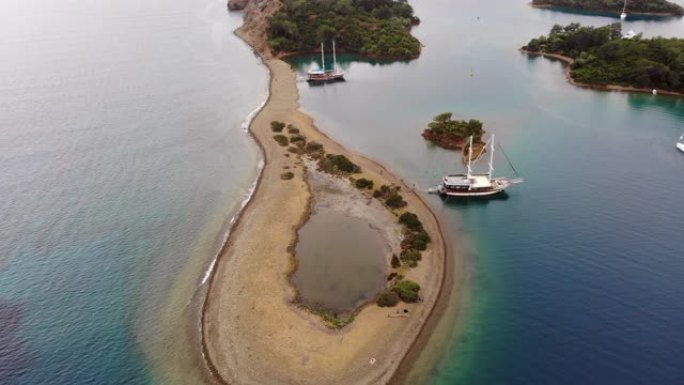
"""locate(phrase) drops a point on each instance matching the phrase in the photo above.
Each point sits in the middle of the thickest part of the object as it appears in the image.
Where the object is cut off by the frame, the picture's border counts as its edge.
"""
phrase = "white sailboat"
(323, 75)
(680, 143)
(623, 15)
(475, 185)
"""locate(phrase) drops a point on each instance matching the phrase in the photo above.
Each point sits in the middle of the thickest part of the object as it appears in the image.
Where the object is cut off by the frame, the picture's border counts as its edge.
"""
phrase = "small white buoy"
(655, 92)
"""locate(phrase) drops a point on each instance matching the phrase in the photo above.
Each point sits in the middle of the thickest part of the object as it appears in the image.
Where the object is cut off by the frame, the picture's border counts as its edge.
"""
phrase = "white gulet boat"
(323, 75)
(680, 143)
(471, 185)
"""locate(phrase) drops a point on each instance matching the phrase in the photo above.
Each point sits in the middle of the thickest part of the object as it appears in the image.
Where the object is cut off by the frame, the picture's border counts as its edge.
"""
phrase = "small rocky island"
(372, 28)
(451, 134)
(639, 7)
(602, 58)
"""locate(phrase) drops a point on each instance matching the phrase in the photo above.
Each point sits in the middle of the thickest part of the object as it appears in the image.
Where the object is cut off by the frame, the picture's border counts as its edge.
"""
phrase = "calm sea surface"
(122, 160)
(577, 277)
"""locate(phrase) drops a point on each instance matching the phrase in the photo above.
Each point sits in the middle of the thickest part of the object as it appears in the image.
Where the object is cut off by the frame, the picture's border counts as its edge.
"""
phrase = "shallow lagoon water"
(340, 262)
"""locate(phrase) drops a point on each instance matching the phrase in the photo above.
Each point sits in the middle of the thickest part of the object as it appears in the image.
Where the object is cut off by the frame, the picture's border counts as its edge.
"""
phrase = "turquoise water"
(123, 159)
(576, 277)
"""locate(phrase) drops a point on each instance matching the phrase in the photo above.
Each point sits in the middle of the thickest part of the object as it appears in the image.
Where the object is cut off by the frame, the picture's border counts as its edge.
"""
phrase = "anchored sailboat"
(680, 143)
(323, 75)
(475, 185)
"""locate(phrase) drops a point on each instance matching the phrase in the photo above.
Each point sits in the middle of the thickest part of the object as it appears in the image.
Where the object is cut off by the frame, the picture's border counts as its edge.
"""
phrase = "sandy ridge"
(252, 334)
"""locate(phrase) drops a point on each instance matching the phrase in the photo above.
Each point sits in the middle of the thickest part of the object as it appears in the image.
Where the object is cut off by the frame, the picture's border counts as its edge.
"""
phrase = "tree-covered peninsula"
(644, 7)
(602, 57)
(372, 28)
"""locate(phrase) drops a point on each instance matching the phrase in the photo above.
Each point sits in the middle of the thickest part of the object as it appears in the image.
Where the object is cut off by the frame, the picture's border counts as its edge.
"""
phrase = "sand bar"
(252, 331)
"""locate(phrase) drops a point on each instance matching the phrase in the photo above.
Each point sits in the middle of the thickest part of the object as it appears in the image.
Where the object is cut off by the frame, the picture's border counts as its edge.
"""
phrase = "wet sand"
(253, 333)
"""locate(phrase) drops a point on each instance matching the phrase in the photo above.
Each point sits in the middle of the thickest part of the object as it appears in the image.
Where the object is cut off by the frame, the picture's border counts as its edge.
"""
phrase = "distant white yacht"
(680, 143)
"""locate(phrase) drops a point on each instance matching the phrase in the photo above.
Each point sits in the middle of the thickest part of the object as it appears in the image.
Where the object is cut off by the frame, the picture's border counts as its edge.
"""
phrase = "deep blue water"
(576, 278)
(122, 160)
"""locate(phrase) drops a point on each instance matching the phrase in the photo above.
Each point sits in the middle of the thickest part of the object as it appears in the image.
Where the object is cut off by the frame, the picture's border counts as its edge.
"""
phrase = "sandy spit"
(252, 332)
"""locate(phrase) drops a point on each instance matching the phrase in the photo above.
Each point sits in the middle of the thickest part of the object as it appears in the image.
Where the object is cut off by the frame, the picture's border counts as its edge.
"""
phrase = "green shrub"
(391, 276)
(281, 139)
(388, 298)
(395, 261)
(395, 201)
(297, 138)
(292, 129)
(390, 196)
(364, 183)
(277, 126)
(286, 176)
(407, 290)
(411, 255)
(313, 148)
(338, 163)
(416, 240)
(411, 221)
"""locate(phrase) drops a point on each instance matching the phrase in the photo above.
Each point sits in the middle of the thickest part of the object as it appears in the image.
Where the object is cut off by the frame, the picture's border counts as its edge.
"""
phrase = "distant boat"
(629, 34)
(475, 185)
(322, 75)
(680, 143)
(623, 15)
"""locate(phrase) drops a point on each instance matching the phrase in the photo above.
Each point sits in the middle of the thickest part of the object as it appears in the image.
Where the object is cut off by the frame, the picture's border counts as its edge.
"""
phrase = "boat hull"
(499, 186)
(680, 146)
(328, 78)
(471, 194)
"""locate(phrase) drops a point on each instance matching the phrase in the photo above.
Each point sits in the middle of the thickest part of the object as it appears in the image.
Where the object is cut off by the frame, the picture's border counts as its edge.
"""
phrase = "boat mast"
(334, 58)
(470, 156)
(491, 158)
(322, 58)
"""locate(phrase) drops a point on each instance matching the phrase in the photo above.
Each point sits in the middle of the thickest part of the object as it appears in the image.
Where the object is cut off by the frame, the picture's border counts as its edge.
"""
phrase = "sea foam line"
(250, 192)
(247, 197)
(250, 117)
